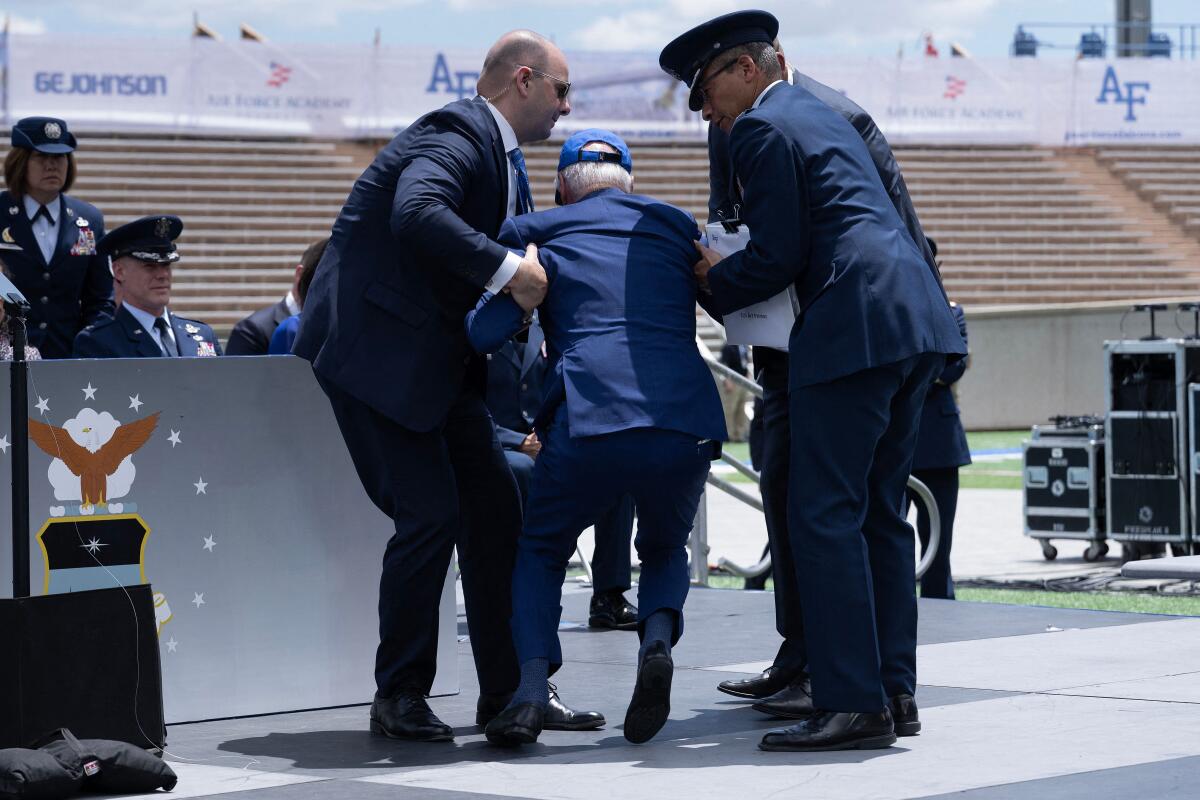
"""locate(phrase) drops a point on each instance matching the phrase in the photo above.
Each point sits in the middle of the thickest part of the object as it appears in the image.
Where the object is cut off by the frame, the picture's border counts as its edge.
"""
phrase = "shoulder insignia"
(190, 328)
(13, 210)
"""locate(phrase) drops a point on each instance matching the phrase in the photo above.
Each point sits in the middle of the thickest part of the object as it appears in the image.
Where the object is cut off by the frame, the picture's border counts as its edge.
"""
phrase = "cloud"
(832, 25)
(225, 15)
(26, 25)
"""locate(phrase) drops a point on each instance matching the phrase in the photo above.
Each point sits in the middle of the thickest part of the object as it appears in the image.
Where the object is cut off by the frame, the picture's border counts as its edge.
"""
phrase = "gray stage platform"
(1016, 702)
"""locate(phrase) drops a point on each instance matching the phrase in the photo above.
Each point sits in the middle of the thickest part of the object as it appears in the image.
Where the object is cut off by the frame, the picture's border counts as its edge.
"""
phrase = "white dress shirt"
(508, 267)
(292, 306)
(146, 320)
(45, 232)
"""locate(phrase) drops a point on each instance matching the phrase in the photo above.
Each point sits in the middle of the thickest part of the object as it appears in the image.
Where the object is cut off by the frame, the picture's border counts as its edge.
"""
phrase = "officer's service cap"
(150, 239)
(44, 134)
(573, 152)
(685, 58)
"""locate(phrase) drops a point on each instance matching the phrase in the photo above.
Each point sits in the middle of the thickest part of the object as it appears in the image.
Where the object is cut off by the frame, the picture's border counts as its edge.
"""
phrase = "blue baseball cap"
(573, 152)
(44, 134)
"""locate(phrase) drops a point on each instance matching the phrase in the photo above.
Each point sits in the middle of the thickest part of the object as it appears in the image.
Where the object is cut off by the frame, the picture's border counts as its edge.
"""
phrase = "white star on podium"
(209, 543)
(173, 439)
(198, 600)
(171, 645)
(89, 393)
(43, 405)
(201, 486)
(135, 402)
(4, 444)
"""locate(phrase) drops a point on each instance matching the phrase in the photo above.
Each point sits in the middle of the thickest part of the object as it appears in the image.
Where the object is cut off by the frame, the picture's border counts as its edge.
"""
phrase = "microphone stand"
(16, 306)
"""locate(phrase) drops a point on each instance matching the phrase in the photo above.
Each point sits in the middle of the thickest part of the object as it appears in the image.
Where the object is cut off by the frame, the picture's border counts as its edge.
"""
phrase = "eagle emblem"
(94, 448)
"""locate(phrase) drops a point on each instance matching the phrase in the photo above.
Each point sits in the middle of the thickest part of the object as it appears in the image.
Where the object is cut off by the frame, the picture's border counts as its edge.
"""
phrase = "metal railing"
(699, 539)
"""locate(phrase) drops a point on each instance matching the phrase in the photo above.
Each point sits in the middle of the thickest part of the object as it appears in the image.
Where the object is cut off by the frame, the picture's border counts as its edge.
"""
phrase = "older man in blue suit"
(873, 332)
(630, 409)
(413, 248)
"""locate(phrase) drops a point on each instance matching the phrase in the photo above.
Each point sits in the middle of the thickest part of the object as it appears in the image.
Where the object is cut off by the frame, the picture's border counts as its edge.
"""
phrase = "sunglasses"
(703, 90)
(561, 87)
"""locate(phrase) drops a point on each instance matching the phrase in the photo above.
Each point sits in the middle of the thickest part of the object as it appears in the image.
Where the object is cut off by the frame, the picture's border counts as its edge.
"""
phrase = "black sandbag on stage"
(81, 660)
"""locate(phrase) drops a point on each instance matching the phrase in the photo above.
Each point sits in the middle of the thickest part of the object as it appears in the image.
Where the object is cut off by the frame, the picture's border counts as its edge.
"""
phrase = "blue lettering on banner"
(462, 84)
(90, 83)
(1111, 86)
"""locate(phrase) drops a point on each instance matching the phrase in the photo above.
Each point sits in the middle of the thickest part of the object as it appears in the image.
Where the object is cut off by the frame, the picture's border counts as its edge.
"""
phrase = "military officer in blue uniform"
(49, 238)
(873, 332)
(630, 409)
(143, 253)
(515, 376)
(941, 450)
(783, 689)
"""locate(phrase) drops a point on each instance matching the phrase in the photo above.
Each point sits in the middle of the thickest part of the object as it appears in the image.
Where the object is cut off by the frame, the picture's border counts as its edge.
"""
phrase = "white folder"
(766, 324)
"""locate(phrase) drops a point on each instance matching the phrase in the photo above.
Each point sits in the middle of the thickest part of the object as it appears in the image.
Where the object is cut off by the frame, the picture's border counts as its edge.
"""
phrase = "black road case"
(1063, 485)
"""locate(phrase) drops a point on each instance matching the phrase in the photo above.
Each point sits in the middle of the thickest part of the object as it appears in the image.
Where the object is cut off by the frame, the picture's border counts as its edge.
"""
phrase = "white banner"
(202, 85)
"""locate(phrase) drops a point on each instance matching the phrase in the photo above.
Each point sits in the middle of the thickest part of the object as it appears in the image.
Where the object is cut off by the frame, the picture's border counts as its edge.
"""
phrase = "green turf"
(1138, 603)
(1005, 474)
(996, 440)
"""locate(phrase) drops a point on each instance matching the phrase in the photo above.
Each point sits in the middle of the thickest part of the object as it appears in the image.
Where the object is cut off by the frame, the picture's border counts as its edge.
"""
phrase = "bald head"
(525, 78)
(513, 48)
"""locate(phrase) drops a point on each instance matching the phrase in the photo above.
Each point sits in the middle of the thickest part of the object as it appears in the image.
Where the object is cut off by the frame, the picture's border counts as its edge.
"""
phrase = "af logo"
(94, 542)
(461, 85)
(1110, 86)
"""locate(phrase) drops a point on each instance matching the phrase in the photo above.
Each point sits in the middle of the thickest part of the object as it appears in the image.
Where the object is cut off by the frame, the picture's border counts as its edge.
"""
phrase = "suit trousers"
(522, 468)
(443, 488)
(610, 558)
(937, 582)
(575, 481)
(852, 448)
(773, 483)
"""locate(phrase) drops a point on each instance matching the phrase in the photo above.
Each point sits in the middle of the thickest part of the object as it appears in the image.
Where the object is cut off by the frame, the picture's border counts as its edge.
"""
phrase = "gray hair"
(761, 53)
(586, 177)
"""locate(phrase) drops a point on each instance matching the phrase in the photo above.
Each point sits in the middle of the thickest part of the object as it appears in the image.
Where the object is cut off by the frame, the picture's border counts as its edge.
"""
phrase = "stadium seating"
(1015, 225)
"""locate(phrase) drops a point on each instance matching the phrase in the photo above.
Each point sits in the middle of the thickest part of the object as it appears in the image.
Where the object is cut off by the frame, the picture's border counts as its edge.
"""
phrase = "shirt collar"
(759, 99)
(507, 135)
(31, 207)
(292, 306)
(145, 318)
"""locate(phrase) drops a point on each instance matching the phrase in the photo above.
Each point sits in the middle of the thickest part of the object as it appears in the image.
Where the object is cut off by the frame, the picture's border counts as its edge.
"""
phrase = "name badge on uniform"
(85, 244)
(206, 349)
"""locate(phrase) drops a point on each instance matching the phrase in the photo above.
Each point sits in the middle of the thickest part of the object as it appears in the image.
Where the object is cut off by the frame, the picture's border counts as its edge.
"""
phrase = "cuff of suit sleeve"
(503, 274)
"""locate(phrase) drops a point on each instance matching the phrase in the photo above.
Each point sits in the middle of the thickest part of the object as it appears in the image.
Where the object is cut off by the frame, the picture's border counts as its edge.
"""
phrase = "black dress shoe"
(834, 730)
(490, 705)
(560, 718)
(792, 702)
(904, 715)
(407, 716)
(651, 703)
(612, 611)
(517, 725)
(768, 682)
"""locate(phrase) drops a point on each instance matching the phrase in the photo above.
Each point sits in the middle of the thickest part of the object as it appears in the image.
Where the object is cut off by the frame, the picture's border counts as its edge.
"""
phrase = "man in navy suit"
(515, 375)
(783, 689)
(873, 332)
(630, 409)
(142, 253)
(411, 251)
(941, 450)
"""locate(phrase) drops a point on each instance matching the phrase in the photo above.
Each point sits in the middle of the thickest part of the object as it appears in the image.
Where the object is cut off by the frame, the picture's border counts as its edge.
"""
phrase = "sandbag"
(27, 774)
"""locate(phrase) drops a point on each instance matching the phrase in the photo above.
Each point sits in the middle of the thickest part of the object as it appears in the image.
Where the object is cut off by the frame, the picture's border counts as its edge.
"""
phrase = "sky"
(814, 27)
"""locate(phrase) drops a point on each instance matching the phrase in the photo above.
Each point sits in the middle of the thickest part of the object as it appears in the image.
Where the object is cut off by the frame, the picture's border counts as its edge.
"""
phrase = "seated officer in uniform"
(630, 409)
(142, 253)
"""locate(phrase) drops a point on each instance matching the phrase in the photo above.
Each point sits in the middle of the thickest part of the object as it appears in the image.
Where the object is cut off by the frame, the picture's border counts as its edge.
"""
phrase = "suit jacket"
(515, 379)
(252, 336)
(409, 256)
(724, 197)
(74, 289)
(821, 220)
(284, 336)
(619, 316)
(941, 440)
(122, 336)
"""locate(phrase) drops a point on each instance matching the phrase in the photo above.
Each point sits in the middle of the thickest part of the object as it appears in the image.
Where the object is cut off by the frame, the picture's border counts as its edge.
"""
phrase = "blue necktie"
(524, 195)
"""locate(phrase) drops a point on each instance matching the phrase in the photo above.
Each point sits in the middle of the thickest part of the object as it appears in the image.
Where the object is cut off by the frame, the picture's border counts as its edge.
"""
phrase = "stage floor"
(1016, 702)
